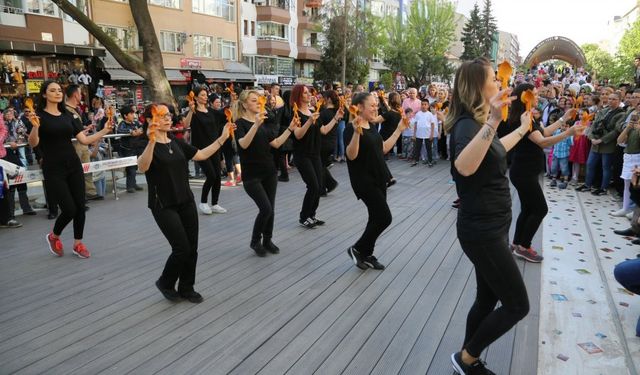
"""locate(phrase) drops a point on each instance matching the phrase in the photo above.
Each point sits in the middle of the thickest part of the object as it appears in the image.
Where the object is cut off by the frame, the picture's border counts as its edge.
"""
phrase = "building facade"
(508, 49)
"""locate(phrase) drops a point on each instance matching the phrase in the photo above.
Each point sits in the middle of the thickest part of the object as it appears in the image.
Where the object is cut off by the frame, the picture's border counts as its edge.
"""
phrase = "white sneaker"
(204, 208)
(217, 209)
(629, 215)
(620, 213)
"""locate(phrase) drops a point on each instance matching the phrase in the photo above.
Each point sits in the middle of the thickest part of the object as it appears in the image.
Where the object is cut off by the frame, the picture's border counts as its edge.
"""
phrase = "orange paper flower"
(296, 116)
(438, 106)
(229, 116)
(354, 112)
(504, 73)
(319, 104)
(527, 98)
(192, 96)
(262, 100)
(28, 102)
(155, 119)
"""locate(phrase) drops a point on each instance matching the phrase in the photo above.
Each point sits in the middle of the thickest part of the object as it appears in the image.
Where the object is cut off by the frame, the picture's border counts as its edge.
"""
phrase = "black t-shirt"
(326, 116)
(168, 174)
(527, 155)
(390, 124)
(55, 135)
(206, 127)
(256, 160)
(485, 199)
(369, 168)
(310, 144)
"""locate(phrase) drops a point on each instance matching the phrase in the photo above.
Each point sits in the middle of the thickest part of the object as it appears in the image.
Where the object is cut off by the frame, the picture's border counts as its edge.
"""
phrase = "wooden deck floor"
(306, 310)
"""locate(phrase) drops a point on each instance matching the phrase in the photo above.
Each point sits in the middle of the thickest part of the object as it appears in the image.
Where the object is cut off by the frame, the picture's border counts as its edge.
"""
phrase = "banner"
(32, 175)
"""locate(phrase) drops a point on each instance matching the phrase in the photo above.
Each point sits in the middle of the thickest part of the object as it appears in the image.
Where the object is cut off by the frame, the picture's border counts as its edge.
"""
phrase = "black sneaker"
(270, 247)
(168, 293)
(391, 182)
(599, 192)
(258, 248)
(583, 187)
(283, 178)
(330, 189)
(372, 262)
(317, 221)
(138, 188)
(191, 296)
(414, 163)
(357, 258)
(477, 368)
(308, 223)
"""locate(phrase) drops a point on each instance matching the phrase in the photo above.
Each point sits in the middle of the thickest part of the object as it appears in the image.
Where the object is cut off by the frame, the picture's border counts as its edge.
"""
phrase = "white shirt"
(84, 79)
(425, 123)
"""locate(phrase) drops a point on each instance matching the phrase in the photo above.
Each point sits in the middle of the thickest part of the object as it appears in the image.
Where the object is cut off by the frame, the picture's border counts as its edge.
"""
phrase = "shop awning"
(123, 75)
(174, 75)
(228, 76)
(42, 48)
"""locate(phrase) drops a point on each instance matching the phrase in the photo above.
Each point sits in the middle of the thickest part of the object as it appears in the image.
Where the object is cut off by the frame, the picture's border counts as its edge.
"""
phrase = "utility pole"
(344, 46)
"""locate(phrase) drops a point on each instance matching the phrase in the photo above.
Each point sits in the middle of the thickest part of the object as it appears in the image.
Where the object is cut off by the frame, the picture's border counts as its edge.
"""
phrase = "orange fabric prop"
(438, 106)
(28, 102)
(263, 102)
(296, 115)
(155, 118)
(229, 116)
(354, 112)
(527, 99)
(504, 73)
(577, 105)
(319, 104)
(192, 96)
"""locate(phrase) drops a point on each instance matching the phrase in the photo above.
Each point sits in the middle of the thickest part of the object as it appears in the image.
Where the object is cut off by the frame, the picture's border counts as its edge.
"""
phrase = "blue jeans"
(101, 186)
(628, 275)
(340, 145)
(594, 161)
(563, 164)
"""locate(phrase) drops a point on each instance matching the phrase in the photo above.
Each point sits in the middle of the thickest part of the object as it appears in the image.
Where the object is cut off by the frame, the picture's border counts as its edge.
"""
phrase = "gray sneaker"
(553, 183)
(11, 224)
(562, 185)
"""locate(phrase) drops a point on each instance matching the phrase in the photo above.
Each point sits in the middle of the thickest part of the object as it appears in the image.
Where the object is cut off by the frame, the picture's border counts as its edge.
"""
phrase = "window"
(126, 38)
(176, 4)
(253, 28)
(74, 2)
(218, 8)
(246, 27)
(202, 46)
(170, 41)
(226, 49)
(272, 30)
(292, 34)
(46, 7)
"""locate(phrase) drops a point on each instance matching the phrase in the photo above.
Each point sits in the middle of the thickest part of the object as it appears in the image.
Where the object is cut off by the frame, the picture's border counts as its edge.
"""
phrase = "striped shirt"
(562, 148)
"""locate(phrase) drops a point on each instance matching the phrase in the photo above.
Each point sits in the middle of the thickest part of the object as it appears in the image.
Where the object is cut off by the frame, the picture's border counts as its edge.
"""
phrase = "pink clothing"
(3, 137)
(413, 104)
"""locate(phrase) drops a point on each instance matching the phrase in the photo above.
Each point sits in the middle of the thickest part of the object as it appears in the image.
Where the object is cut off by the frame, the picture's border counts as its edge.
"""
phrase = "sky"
(583, 21)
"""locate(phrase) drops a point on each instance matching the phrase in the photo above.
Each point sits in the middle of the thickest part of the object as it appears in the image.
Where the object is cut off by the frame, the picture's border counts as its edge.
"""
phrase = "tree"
(628, 49)
(471, 35)
(487, 30)
(417, 49)
(599, 61)
(150, 66)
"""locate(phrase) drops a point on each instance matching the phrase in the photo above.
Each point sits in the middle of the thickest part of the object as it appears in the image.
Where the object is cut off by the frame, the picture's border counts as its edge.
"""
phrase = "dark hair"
(330, 94)
(360, 98)
(424, 100)
(296, 94)
(199, 90)
(126, 110)
(408, 110)
(213, 98)
(395, 100)
(42, 101)
(517, 106)
(71, 89)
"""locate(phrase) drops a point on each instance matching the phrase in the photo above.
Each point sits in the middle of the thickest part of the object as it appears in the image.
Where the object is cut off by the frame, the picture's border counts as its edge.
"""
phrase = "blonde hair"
(238, 108)
(467, 92)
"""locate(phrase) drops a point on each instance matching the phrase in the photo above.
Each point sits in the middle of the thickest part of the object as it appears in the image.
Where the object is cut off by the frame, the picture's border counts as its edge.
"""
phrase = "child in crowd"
(98, 151)
(560, 159)
(407, 137)
(580, 151)
(433, 108)
(423, 132)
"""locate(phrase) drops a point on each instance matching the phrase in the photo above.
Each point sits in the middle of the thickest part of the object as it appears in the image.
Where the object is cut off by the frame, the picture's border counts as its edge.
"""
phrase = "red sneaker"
(528, 254)
(238, 179)
(229, 183)
(55, 245)
(81, 251)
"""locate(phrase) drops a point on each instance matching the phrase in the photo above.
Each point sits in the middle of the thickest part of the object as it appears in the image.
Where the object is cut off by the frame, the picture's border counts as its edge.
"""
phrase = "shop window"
(226, 49)
(171, 41)
(273, 31)
(219, 8)
(176, 4)
(202, 46)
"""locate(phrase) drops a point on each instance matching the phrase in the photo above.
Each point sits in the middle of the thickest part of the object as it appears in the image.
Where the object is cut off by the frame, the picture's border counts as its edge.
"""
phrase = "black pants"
(329, 183)
(497, 279)
(4, 205)
(280, 158)
(263, 193)
(375, 198)
(310, 168)
(442, 147)
(417, 149)
(399, 146)
(131, 170)
(22, 197)
(65, 187)
(533, 205)
(211, 169)
(228, 152)
(616, 166)
(179, 224)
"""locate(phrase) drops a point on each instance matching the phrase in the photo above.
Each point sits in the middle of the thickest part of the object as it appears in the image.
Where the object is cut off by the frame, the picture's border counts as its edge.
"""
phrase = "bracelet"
(219, 144)
(290, 131)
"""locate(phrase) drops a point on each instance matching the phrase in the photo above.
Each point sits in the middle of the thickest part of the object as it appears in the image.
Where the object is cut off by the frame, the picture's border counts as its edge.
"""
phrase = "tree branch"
(127, 61)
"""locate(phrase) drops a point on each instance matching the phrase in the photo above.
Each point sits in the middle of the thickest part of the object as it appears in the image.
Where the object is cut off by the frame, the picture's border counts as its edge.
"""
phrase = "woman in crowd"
(164, 162)
(330, 116)
(281, 154)
(630, 137)
(369, 176)
(306, 154)
(206, 126)
(260, 175)
(61, 167)
(479, 166)
(527, 164)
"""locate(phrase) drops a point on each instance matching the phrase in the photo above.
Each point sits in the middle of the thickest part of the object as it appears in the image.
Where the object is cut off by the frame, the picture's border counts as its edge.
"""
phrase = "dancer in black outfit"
(52, 131)
(369, 176)
(329, 118)
(479, 167)
(206, 125)
(164, 162)
(306, 154)
(527, 164)
(258, 167)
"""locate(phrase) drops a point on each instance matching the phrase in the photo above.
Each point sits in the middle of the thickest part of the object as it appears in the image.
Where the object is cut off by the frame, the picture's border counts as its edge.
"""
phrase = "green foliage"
(471, 35)
(488, 29)
(386, 79)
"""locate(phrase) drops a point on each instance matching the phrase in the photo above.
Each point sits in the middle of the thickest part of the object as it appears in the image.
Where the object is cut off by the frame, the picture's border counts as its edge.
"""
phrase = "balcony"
(11, 16)
(273, 47)
(309, 51)
(308, 21)
(273, 10)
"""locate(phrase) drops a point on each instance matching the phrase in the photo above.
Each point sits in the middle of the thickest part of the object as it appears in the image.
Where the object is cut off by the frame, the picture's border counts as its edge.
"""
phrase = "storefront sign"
(186, 74)
(313, 3)
(266, 79)
(286, 80)
(304, 81)
(34, 85)
(40, 74)
(190, 63)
